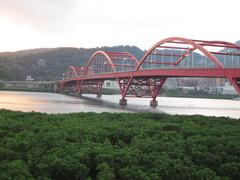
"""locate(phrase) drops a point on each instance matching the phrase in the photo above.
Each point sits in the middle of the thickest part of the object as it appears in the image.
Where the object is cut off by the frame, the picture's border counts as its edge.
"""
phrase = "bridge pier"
(122, 102)
(153, 103)
(99, 95)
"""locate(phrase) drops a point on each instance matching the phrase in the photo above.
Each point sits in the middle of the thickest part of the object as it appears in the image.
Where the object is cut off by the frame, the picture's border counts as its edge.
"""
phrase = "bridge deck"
(207, 73)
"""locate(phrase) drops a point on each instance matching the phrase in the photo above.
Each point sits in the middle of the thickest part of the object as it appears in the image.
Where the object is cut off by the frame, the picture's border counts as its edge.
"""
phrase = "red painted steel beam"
(225, 53)
(174, 47)
(218, 42)
(166, 54)
(124, 65)
(73, 68)
(138, 73)
(117, 53)
(99, 53)
(185, 41)
(219, 45)
(157, 62)
(210, 73)
(209, 43)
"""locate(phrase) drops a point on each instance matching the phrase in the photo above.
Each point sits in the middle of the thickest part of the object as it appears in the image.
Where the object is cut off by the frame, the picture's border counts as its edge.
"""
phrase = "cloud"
(90, 23)
(43, 15)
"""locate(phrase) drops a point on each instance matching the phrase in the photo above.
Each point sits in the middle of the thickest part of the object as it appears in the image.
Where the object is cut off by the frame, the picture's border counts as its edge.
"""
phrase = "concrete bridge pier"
(122, 102)
(154, 103)
(99, 95)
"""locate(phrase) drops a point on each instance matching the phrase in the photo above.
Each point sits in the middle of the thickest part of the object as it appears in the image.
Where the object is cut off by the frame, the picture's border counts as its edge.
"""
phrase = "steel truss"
(146, 77)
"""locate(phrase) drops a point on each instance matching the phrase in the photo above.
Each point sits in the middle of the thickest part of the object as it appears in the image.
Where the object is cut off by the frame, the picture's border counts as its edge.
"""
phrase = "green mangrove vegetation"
(118, 146)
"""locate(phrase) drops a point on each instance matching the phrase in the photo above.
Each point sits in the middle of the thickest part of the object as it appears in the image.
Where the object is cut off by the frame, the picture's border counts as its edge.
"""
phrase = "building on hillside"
(41, 62)
(29, 78)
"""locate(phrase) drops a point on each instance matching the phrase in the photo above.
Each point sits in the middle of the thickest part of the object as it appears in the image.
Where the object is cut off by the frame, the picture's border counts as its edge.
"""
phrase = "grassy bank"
(118, 146)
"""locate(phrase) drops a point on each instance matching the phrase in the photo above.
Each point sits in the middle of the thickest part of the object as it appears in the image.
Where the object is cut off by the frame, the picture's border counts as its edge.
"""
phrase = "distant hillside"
(50, 63)
(26, 52)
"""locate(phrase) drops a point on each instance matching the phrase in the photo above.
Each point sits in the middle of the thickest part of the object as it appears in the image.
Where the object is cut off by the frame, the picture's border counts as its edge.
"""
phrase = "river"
(58, 103)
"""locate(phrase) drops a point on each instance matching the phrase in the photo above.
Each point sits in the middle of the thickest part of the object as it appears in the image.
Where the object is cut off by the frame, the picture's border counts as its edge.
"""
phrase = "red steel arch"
(73, 69)
(110, 58)
(194, 44)
(92, 59)
(138, 81)
(224, 43)
(72, 72)
(105, 62)
(135, 86)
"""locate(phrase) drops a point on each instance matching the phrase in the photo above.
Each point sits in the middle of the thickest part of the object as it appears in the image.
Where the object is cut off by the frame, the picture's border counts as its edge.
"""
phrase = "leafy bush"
(118, 146)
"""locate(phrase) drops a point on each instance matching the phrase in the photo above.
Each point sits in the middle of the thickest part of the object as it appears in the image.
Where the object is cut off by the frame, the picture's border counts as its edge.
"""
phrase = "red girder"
(73, 68)
(99, 53)
(148, 82)
(110, 57)
(223, 53)
(182, 41)
(103, 62)
(220, 43)
(187, 53)
(202, 72)
(235, 81)
(165, 54)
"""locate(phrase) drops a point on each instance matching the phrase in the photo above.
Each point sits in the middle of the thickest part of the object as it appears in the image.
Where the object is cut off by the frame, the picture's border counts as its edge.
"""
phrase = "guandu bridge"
(170, 57)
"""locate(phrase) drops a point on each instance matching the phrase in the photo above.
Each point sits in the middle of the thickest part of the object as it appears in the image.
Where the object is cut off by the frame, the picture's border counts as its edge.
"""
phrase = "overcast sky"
(28, 24)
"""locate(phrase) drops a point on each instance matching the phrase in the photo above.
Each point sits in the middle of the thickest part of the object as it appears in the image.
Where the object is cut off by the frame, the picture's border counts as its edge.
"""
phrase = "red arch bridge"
(170, 57)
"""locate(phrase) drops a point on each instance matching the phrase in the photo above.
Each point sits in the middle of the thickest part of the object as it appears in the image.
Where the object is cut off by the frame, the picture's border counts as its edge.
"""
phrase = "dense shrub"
(118, 146)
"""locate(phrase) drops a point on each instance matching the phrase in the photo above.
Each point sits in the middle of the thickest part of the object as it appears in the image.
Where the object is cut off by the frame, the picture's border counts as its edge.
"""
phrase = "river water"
(58, 103)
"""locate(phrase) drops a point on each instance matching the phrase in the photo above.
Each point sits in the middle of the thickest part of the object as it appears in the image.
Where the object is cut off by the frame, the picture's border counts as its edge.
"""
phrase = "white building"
(29, 78)
(229, 90)
(110, 84)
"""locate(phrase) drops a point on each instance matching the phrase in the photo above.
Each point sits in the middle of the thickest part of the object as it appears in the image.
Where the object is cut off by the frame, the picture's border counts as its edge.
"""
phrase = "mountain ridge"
(50, 63)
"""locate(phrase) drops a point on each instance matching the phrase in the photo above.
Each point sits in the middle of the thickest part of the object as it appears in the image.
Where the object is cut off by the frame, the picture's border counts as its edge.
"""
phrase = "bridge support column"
(61, 88)
(122, 102)
(154, 103)
(235, 81)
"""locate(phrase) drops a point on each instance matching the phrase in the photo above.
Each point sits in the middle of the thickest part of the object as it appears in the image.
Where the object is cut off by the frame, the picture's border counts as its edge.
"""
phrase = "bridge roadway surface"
(171, 57)
(213, 73)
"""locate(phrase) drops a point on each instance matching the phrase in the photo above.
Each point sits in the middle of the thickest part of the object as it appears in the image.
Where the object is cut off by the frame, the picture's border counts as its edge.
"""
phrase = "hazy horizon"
(26, 24)
(39, 48)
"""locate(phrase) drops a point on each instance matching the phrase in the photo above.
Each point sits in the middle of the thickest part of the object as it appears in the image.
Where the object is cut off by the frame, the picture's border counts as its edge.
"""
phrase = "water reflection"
(58, 103)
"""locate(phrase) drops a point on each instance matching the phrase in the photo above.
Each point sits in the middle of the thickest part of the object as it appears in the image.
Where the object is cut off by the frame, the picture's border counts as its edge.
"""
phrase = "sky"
(28, 24)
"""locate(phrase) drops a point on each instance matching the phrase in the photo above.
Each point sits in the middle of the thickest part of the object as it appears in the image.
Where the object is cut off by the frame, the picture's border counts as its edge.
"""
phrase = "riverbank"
(118, 145)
